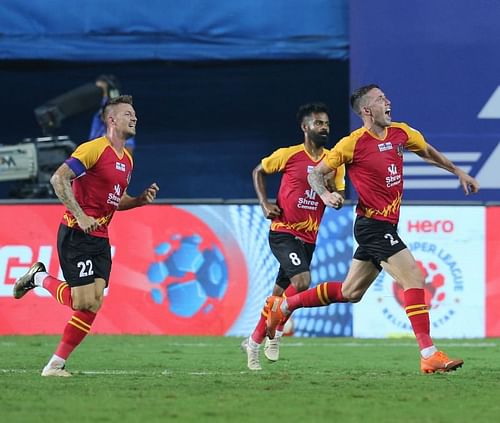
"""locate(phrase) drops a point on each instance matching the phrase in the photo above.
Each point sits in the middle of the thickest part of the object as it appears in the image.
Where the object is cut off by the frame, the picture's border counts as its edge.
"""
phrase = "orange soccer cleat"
(439, 362)
(274, 314)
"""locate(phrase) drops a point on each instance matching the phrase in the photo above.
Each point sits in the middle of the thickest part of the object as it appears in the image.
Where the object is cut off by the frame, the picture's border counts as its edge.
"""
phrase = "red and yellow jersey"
(102, 176)
(302, 209)
(375, 167)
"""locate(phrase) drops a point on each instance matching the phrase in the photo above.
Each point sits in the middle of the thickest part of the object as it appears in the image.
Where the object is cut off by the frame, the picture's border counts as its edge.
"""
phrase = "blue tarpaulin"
(190, 30)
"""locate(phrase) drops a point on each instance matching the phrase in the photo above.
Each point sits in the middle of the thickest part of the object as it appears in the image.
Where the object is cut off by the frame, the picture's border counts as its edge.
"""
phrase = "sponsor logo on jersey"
(385, 146)
(308, 201)
(114, 197)
(394, 177)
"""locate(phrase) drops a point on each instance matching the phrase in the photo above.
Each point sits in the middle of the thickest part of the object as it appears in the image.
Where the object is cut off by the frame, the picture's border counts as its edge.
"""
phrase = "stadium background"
(216, 88)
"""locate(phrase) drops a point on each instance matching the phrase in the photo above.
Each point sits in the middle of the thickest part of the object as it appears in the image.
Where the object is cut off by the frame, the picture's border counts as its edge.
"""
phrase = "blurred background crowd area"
(216, 84)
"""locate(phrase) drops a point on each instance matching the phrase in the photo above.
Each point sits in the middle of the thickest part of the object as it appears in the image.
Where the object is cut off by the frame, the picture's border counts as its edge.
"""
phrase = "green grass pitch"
(205, 379)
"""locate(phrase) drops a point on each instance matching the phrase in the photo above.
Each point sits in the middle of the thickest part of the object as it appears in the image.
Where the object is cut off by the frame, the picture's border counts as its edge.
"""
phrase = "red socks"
(289, 292)
(60, 290)
(321, 295)
(76, 329)
(80, 323)
(259, 332)
(418, 313)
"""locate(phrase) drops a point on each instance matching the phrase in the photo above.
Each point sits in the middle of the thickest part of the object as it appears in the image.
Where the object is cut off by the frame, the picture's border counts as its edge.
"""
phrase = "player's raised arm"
(436, 158)
(317, 181)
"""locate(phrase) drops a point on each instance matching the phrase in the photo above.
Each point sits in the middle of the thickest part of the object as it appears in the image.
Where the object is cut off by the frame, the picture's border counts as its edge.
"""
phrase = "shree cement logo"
(444, 287)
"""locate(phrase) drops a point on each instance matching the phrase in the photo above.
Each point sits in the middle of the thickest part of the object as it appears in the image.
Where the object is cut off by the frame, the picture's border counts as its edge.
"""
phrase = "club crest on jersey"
(310, 194)
(399, 150)
(120, 166)
(392, 169)
(384, 146)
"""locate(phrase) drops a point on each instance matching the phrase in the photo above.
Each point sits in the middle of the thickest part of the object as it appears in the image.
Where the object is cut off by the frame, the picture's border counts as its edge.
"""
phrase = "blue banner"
(438, 63)
(114, 30)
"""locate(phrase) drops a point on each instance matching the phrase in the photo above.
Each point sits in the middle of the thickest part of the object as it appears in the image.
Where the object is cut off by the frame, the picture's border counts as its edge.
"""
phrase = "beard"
(318, 139)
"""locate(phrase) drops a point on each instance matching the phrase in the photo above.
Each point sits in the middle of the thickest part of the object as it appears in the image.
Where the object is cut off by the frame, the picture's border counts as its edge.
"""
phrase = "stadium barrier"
(206, 270)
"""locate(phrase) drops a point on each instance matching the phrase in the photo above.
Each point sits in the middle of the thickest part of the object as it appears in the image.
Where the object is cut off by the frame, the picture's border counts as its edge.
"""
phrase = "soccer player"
(373, 156)
(92, 185)
(295, 218)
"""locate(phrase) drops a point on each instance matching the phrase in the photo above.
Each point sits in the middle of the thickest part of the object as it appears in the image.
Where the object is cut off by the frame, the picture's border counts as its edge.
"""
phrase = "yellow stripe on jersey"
(416, 141)
(343, 152)
(309, 225)
(339, 180)
(389, 209)
(277, 161)
(129, 156)
(89, 152)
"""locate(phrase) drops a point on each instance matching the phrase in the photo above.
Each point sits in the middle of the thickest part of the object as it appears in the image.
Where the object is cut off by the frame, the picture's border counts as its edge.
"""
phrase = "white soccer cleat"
(272, 348)
(55, 369)
(253, 362)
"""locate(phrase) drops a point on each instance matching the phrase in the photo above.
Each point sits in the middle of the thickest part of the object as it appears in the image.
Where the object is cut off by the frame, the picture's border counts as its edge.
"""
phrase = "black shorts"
(83, 257)
(378, 240)
(293, 255)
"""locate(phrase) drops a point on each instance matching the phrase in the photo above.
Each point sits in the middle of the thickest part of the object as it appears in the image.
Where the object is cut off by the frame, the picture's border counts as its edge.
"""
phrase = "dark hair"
(121, 99)
(357, 96)
(308, 109)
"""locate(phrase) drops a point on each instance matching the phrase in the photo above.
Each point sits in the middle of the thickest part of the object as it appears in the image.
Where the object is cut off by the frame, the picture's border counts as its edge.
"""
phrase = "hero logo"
(309, 202)
(15, 260)
(427, 226)
(394, 177)
(444, 286)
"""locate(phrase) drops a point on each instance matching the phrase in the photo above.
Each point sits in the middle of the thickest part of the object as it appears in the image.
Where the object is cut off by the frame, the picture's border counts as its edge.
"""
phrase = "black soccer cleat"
(27, 282)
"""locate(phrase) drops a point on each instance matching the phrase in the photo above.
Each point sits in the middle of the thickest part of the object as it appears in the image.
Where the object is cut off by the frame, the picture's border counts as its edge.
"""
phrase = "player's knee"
(352, 295)
(82, 304)
(97, 304)
(355, 299)
(302, 284)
